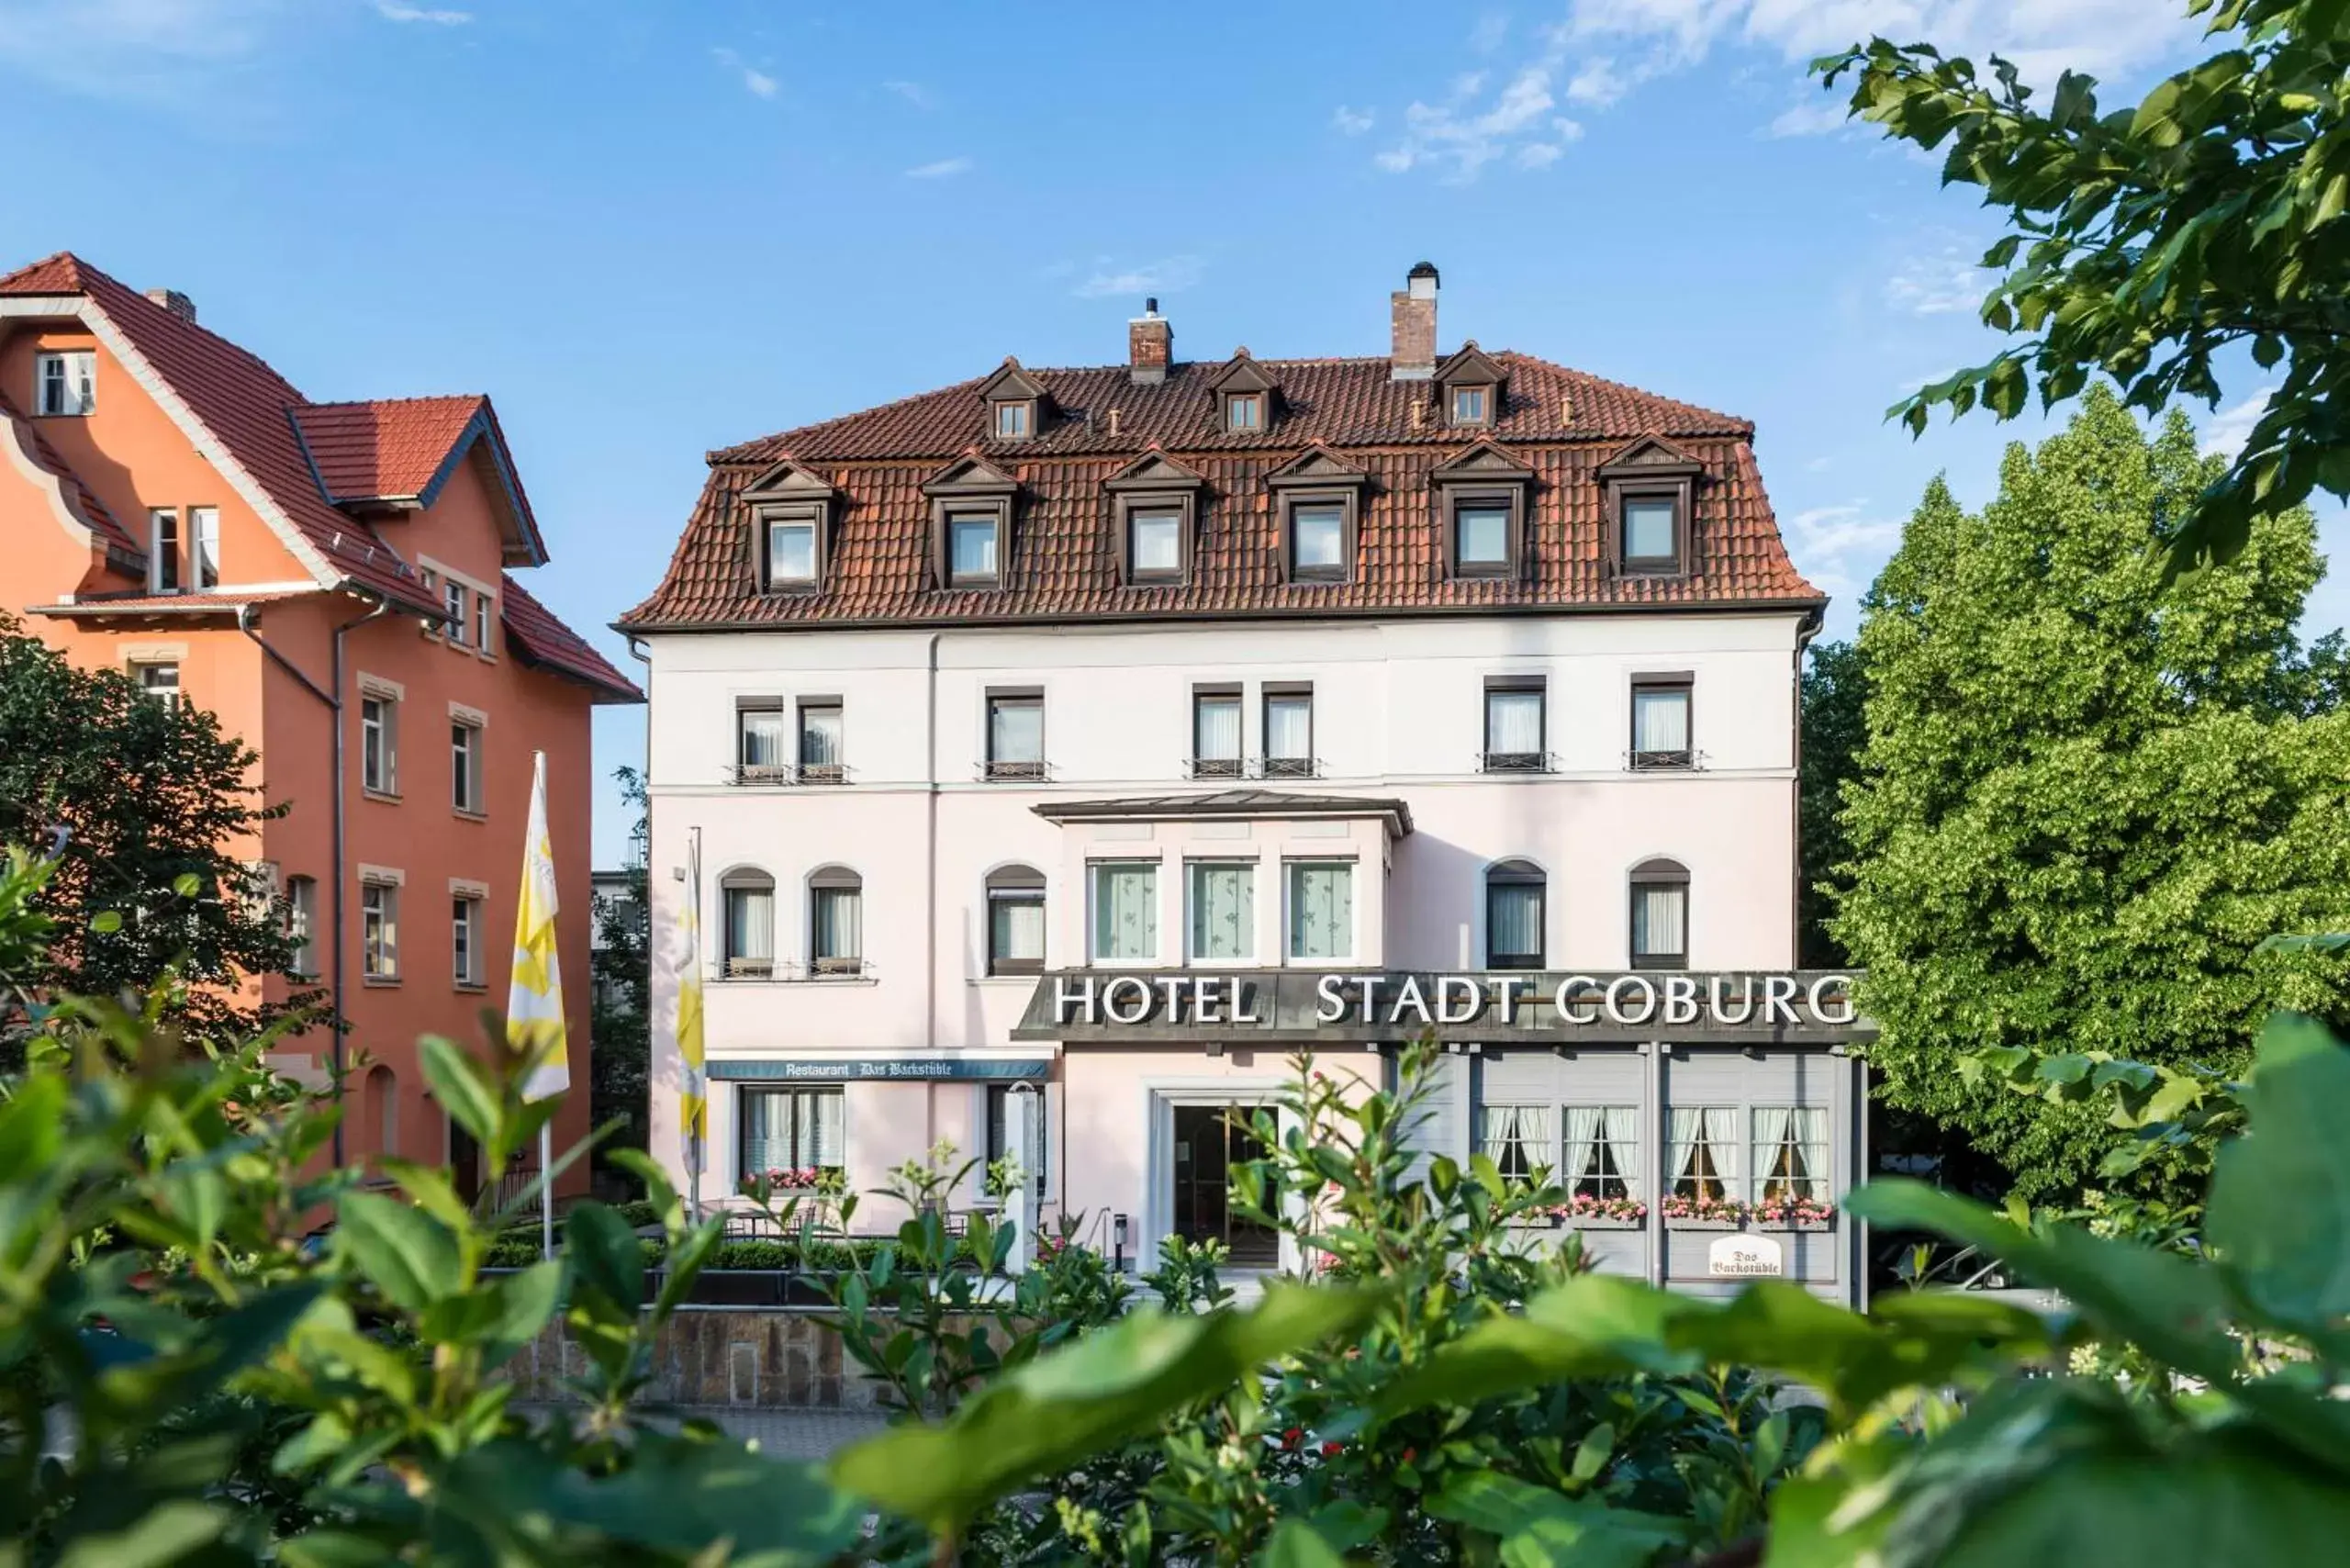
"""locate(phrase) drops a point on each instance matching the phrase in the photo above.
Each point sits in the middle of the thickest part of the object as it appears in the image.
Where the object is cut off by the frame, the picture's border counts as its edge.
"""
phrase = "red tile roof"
(1063, 559)
(542, 640)
(117, 539)
(309, 458)
(386, 448)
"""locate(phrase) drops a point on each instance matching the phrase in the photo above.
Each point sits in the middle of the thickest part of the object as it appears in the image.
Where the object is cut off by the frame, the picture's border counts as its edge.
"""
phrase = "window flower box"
(1704, 1213)
(1584, 1212)
(1794, 1213)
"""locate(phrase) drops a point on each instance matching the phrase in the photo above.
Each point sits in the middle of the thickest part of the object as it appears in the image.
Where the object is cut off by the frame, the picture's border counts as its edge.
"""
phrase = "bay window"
(1125, 895)
(1321, 910)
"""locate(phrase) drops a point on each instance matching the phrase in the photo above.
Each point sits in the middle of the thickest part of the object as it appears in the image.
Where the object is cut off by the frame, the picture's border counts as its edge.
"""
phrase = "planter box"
(1597, 1223)
(1814, 1225)
(1536, 1222)
(1704, 1225)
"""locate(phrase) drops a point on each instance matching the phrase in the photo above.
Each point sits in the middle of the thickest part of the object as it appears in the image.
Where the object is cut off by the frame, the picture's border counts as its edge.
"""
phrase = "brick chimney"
(1151, 345)
(1413, 315)
(172, 301)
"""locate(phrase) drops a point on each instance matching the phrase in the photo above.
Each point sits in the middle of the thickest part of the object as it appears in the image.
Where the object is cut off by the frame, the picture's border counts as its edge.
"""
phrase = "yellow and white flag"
(693, 1098)
(534, 1027)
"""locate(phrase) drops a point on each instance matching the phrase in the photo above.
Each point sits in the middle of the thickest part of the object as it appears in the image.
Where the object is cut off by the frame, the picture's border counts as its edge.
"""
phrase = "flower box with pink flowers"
(1794, 1213)
(1683, 1213)
(1584, 1212)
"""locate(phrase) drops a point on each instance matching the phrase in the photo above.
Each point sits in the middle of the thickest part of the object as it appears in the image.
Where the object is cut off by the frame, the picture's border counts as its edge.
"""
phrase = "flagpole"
(546, 1190)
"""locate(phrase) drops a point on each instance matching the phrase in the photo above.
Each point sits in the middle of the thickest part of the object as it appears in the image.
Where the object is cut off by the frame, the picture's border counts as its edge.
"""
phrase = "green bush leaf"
(460, 1088)
(1078, 1401)
(1594, 1326)
(605, 1254)
(2280, 1198)
(1536, 1528)
(405, 1252)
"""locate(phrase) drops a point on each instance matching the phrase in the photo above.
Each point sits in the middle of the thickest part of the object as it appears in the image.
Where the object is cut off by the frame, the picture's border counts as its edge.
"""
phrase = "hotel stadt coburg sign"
(1282, 1007)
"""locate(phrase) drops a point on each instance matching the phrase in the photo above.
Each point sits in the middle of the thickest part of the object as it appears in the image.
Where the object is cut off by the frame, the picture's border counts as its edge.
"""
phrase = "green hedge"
(519, 1248)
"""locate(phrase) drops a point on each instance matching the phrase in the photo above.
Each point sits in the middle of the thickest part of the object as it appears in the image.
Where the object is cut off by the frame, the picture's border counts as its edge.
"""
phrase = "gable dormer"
(1317, 497)
(1016, 403)
(791, 512)
(971, 503)
(1469, 388)
(1484, 497)
(1650, 495)
(1245, 396)
(1155, 502)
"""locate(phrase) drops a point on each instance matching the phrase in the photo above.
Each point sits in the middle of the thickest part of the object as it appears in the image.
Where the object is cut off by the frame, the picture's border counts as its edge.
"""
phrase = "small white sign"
(1741, 1256)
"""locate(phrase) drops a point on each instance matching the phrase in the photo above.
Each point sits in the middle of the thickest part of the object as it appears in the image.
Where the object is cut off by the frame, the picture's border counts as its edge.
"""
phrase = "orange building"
(335, 581)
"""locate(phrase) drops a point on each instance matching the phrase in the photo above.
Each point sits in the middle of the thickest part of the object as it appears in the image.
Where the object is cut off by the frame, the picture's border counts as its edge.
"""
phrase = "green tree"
(2144, 243)
(2084, 800)
(622, 991)
(146, 797)
(1835, 695)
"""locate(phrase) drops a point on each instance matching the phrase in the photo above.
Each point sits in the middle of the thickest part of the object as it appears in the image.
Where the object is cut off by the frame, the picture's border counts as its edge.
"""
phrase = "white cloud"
(913, 93)
(756, 82)
(1940, 284)
(1487, 35)
(1603, 50)
(1352, 122)
(150, 49)
(393, 11)
(2225, 433)
(1841, 547)
(945, 169)
(1167, 275)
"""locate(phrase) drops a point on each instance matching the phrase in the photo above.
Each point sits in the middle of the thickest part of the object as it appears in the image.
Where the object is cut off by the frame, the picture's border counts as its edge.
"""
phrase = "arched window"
(1516, 906)
(836, 921)
(749, 901)
(382, 1098)
(1660, 915)
(1016, 921)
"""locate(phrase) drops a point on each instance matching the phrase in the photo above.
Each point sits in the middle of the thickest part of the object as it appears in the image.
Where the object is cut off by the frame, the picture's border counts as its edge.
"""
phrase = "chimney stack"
(172, 301)
(1151, 345)
(1412, 315)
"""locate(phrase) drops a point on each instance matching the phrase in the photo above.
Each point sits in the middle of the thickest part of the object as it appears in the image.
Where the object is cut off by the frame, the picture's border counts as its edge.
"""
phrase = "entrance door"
(1208, 1143)
(465, 1163)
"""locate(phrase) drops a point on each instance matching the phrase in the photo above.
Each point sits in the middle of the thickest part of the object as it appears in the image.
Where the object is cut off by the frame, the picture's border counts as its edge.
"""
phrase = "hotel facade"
(1052, 755)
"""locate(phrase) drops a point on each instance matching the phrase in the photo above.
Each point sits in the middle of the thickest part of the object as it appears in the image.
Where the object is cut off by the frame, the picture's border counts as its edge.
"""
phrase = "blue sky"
(649, 229)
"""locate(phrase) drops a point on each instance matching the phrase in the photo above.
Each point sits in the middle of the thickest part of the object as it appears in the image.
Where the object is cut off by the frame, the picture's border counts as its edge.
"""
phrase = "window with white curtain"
(749, 899)
(1603, 1147)
(1514, 916)
(66, 381)
(1701, 1159)
(792, 1129)
(302, 923)
(1661, 723)
(1321, 909)
(836, 920)
(1790, 1152)
(1155, 546)
(1216, 732)
(1016, 921)
(1660, 915)
(1125, 911)
(971, 549)
(822, 742)
(204, 548)
(1514, 726)
(791, 553)
(164, 550)
(760, 732)
(1317, 534)
(1015, 734)
(1223, 898)
(1289, 731)
(1516, 1138)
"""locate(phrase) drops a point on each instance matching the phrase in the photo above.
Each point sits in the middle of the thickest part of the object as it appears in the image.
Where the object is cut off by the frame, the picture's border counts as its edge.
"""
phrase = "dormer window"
(1482, 497)
(970, 523)
(1156, 503)
(1244, 396)
(790, 513)
(1470, 388)
(1318, 497)
(1016, 403)
(1651, 493)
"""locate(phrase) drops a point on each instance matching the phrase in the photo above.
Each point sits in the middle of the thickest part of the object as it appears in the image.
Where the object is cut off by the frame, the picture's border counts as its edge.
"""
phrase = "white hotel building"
(1111, 733)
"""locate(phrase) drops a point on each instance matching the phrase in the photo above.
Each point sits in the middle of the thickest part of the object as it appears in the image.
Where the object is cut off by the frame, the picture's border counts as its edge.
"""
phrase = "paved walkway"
(790, 1434)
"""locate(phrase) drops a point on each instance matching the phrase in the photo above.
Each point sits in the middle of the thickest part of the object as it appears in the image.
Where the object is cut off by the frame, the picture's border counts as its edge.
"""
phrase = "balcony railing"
(1002, 769)
(1642, 761)
(1253, 768)
(1514, 762)
(1218, 767)
(792, 971)
(1290, 768)
(786, 774)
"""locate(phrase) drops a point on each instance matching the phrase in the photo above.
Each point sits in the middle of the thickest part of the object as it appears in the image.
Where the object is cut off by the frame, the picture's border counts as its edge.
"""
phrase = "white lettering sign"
(1743, 1256)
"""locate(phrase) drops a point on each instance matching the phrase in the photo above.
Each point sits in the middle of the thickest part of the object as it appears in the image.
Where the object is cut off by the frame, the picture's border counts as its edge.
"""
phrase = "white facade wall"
(1398, 713)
